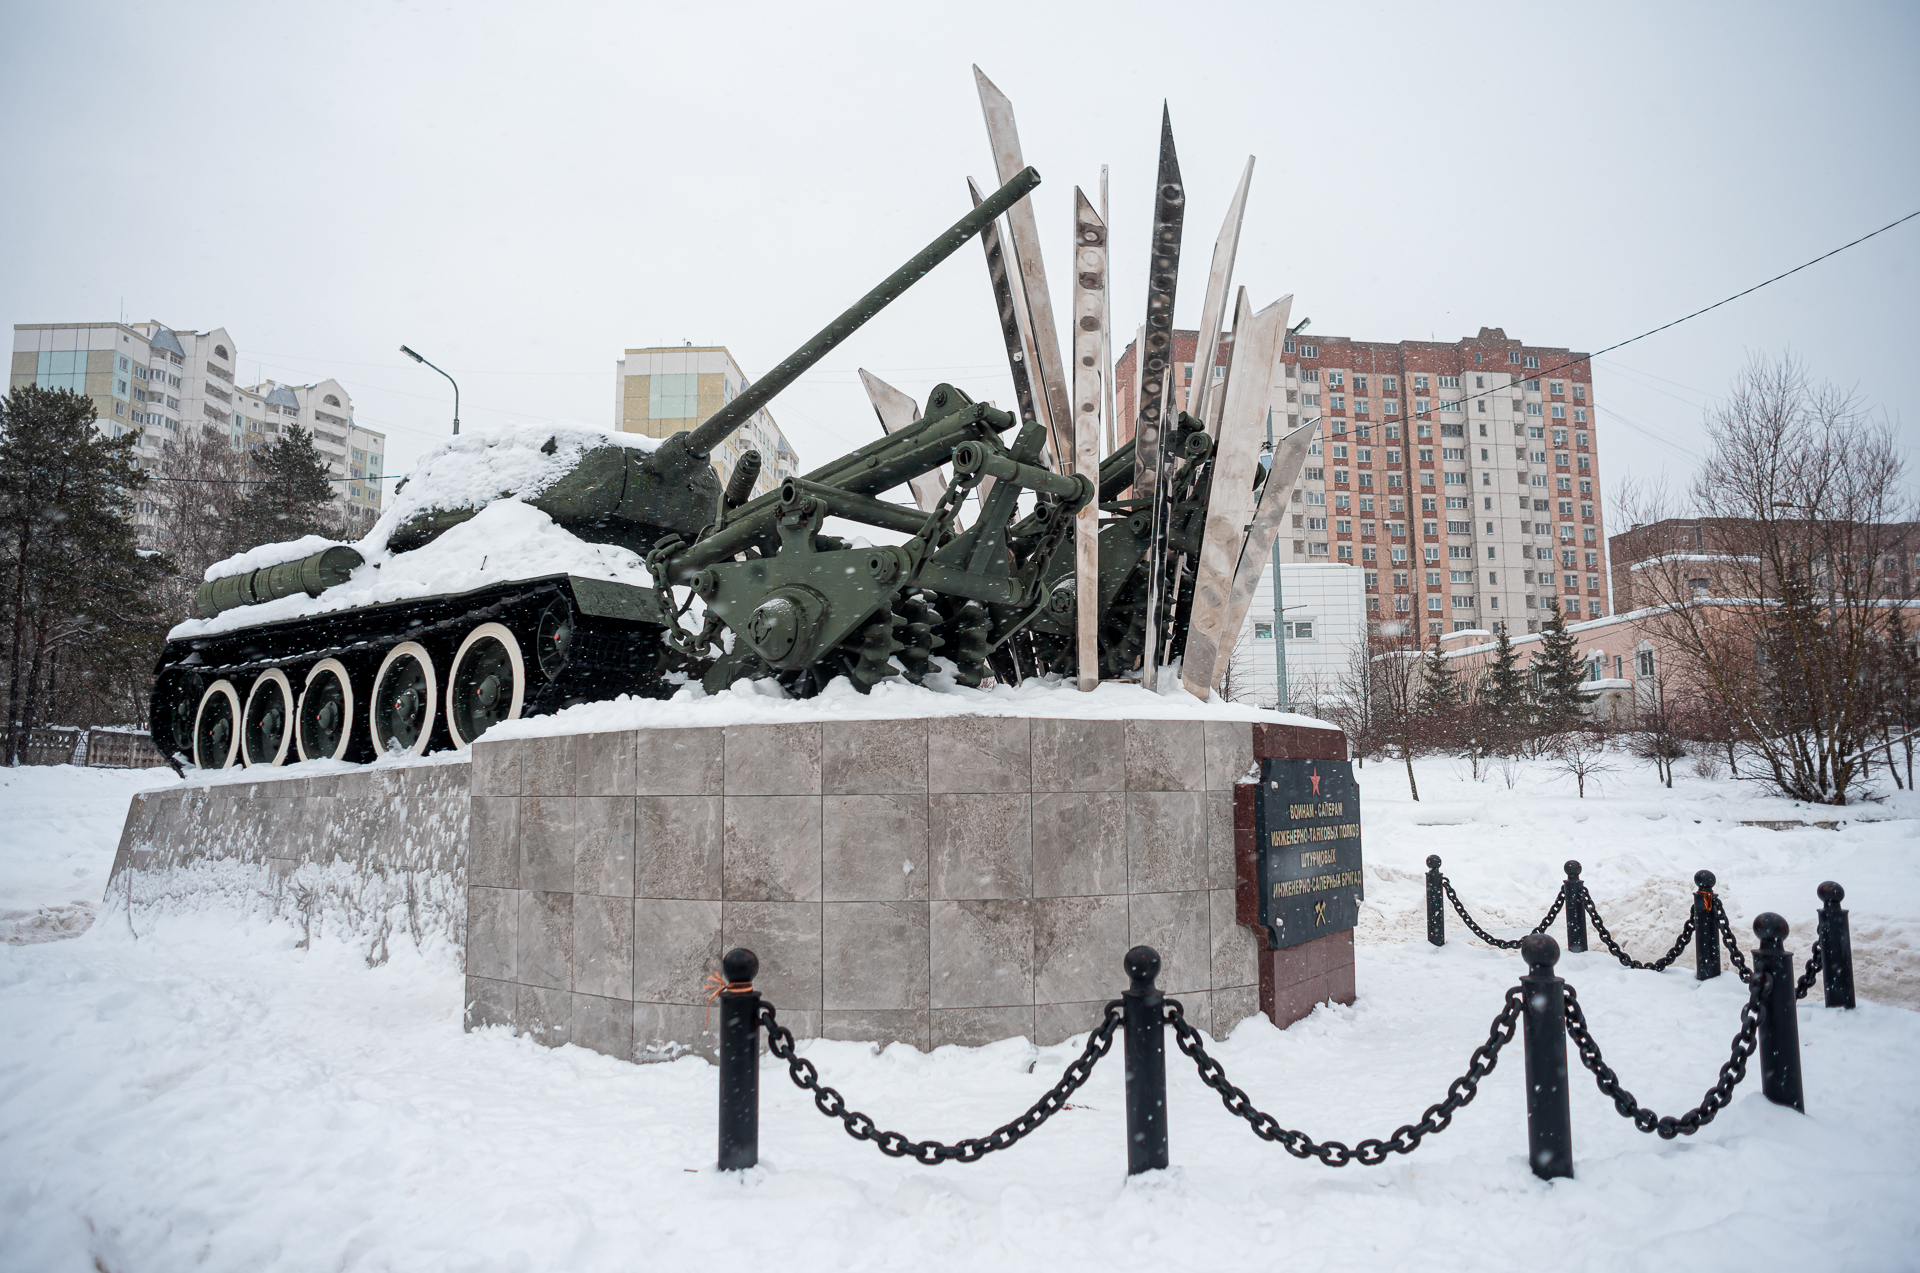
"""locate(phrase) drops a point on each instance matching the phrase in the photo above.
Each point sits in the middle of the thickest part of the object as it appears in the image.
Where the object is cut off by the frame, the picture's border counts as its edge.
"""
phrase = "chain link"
(1666, 1126)
(932, 1152)
(1369, 1152)
(1733, 946)
(1658, 965)
(1488, 937)
(1807, 975)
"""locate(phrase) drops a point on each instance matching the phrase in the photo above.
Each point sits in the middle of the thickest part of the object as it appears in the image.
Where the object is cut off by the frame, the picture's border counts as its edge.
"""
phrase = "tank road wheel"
(216, 727)
(268, 720)
(323, 727)
(488, 683)
(405, 691)
(551, 639)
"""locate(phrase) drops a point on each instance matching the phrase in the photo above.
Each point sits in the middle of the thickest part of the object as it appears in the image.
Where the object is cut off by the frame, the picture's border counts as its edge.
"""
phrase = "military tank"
(509, 578)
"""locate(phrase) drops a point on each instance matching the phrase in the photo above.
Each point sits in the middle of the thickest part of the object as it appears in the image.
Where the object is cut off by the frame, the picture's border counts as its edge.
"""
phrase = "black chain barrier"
(1807, 977)
(1717, 1097)
(1659, 965)
(932, 1152)
(1485, 936)
(1371, 1152)
(1732, 944)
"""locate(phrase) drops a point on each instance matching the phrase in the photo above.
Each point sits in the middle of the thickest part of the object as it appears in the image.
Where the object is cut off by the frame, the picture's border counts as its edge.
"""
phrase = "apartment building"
(1461, 480)
(667, 390)
(158, 381)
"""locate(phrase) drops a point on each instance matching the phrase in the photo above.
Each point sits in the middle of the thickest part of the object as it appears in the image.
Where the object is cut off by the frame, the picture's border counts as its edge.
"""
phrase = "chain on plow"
(1371, 1152)
(932, 1152)
(1658, 965)
(1489, 938)
(1667, 1126)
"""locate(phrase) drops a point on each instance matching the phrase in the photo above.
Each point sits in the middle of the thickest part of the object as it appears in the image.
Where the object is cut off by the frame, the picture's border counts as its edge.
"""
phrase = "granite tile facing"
(676, 946)
(1236, 950)
(543, 1015)
(494, 840)
(669, 1031)
(1229, 752)
(773, 760)
(547, 843)
(979, 754)
(603, 859)
(677, 846)
(980, 846)
(874, 757)
(1057, 1022)
(544, 945)
(771, 848)
(1166, 755)
(981, 953)
(1078, 946)
(874, 955)
(785, 936)
(1231, 1006)
(680, 762)
(602, 1025)
(911, 1026)
(496, 768)
(592, 764)
(1166, 841)
(1179, 927)
(488, 1002)
(1079, 843)
(874, 848)
(493, 922)
(1079, 755)
(603, 946)
(976, 1027)
(1220, 839)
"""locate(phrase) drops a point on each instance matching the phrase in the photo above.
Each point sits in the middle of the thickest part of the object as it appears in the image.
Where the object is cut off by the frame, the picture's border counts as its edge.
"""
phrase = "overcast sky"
(520, 192)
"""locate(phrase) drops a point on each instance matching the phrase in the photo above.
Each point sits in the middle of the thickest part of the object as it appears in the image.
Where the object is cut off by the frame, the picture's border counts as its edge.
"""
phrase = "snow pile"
(209, 1096)
(269, 555)
(62, 825)
(493, 471)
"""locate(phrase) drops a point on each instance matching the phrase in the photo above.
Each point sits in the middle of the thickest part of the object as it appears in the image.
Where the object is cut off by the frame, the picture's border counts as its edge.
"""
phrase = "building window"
(1532, 363)
(1559, 412)
(1263, 631)
(1643, 662)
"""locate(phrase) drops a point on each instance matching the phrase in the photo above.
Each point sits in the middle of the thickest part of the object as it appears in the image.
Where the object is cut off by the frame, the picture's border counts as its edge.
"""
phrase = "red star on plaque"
(1315, 775)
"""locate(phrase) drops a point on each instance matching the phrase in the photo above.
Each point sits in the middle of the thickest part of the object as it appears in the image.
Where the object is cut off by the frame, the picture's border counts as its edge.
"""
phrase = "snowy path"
(215, 1099)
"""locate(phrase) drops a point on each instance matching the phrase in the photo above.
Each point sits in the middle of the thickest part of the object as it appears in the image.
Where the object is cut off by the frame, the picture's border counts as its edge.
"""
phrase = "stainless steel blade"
(1005, 138)
(1289, 453)
(896, 411)
(1106, 338)
(1225, 248)
(1154, 376)
(1089, 343)
(1244, 406)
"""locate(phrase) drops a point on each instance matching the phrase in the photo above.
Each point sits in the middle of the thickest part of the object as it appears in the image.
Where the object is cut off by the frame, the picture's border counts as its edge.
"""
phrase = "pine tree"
(79, 592)
(1505, 689)
(1439, 704)
(289, 494)
(1561, 673)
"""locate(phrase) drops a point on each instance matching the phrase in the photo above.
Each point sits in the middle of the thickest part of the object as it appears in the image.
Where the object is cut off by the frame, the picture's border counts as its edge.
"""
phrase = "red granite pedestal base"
(1295, 978)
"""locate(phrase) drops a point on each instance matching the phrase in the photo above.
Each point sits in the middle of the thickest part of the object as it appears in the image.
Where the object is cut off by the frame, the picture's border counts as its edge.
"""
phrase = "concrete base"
(931, 881)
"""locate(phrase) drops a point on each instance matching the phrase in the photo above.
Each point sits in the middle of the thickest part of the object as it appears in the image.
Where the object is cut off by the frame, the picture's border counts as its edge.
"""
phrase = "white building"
(1323, 621)
(670, 390)
(159, 381)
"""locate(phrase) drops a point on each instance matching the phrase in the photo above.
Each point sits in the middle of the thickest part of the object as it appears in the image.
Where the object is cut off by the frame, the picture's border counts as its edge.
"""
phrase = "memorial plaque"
(1307, 820)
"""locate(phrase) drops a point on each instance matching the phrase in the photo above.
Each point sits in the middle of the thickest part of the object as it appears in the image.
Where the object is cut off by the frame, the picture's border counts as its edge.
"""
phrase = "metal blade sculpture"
(1106, 336)
(1244, 406)
(1289, 453)
(896, 411)
(1089, 342)
(1154, 376)
(1219, 277)
(1005, 138)
(1013, 327)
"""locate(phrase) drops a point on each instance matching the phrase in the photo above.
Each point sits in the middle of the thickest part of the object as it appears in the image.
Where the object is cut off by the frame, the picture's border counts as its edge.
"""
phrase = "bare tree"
(1580, 754)
(1398, 677)
(1776, 608)
(1354, 702)
(197, 483)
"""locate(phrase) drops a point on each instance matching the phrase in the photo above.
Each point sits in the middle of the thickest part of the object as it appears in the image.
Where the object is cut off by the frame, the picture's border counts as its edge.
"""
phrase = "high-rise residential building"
(158, 380)
(1462, 480)
(671, 389)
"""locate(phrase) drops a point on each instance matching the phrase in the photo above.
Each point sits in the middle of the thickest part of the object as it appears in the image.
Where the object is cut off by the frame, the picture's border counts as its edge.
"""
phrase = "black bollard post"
(1836, 947)
(1146, 1051)
(1706, 928)
(1779, 1027)
(1576, 911)
(739, 1062)
(1549, 1121)
(1436, 904)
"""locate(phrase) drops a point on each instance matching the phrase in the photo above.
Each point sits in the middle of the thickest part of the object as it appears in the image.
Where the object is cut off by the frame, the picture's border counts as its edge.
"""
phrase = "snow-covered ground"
(206, 1096)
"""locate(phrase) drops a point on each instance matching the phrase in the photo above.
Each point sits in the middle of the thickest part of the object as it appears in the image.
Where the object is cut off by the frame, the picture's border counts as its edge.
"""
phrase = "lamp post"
(450, 380)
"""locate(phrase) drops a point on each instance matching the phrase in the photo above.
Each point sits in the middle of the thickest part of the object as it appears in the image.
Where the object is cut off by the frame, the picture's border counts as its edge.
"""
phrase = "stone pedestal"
(953, 880)
(1294, 978)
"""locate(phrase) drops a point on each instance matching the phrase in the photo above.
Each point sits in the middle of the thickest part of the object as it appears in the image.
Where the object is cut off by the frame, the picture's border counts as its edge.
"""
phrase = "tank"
(510, 577)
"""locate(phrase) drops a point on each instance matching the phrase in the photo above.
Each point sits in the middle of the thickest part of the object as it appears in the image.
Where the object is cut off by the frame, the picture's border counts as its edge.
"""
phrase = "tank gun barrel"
(730, 417)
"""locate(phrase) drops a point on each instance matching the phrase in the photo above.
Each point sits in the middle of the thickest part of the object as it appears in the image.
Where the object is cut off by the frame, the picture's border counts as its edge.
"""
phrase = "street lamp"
(450, 380)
